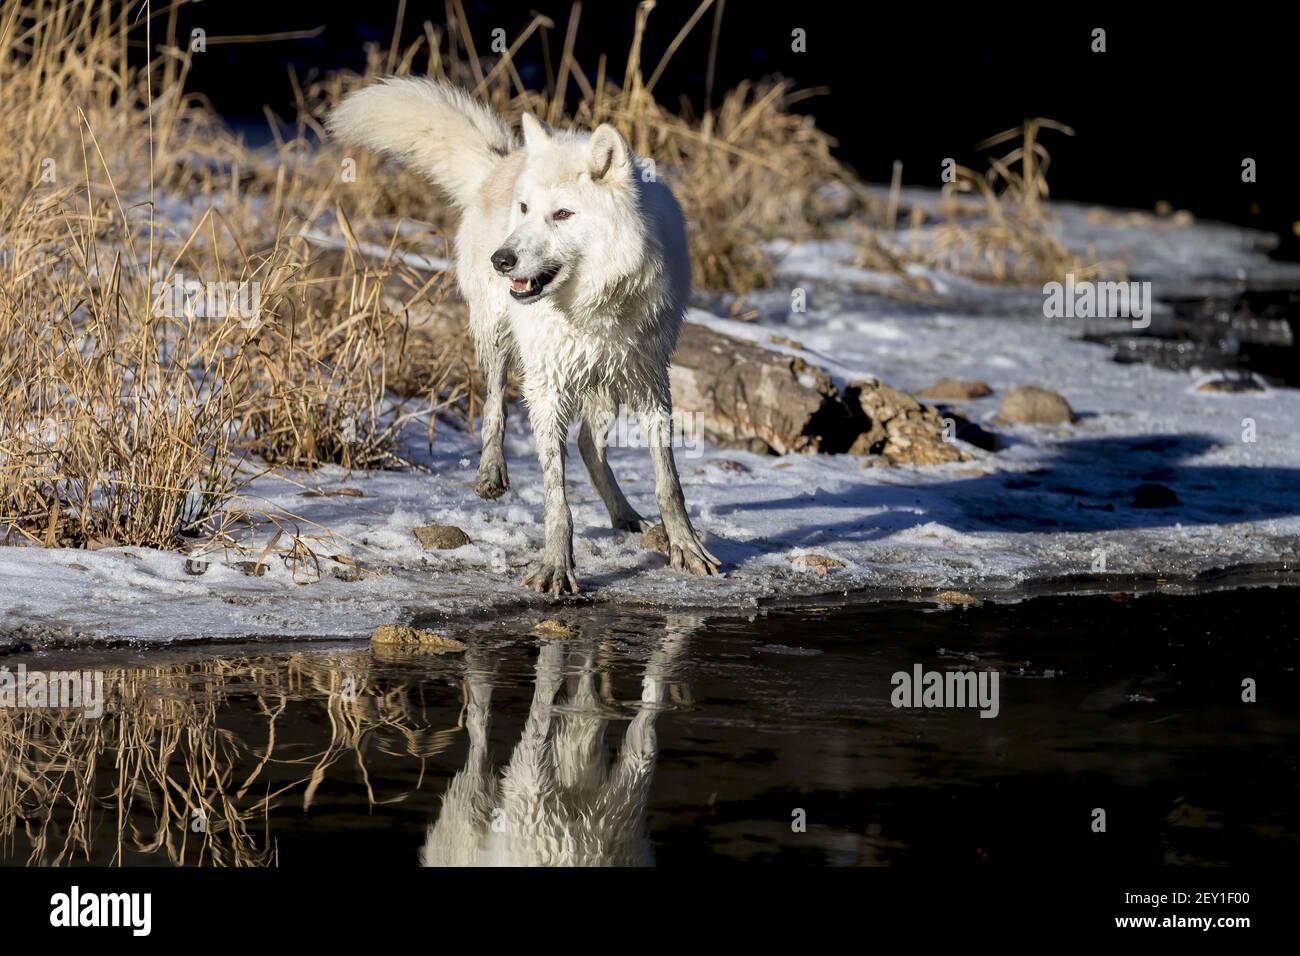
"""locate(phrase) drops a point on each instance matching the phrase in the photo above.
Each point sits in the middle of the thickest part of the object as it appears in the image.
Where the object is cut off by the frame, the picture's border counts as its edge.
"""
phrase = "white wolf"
(575, 268)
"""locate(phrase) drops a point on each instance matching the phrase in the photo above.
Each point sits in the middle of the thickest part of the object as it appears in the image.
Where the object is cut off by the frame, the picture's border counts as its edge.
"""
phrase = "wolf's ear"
(608, 152)
(535, 131)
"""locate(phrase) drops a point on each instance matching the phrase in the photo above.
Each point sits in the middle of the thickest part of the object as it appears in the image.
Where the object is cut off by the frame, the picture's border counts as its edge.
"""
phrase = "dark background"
(1167, 113)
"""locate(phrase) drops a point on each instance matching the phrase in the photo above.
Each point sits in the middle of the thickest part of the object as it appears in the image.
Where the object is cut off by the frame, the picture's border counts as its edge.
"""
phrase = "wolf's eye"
(561, 214)
(523, 208)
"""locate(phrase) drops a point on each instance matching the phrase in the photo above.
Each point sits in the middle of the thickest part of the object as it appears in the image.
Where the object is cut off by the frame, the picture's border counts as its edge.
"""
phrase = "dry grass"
(159, 775)
(128, 420)
(1014, 242)
(997, 226)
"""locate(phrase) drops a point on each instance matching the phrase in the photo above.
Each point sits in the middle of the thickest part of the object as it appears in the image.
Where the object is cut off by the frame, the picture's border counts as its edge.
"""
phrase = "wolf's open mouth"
(525, 290)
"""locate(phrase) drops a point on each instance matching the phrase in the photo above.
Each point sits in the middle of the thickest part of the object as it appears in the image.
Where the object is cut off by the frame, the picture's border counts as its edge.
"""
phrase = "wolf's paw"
(692, 556)
(492, 480)
(552, 579)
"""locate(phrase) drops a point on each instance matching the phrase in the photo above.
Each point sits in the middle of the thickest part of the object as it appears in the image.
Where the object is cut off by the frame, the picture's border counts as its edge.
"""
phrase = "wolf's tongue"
(520, 285)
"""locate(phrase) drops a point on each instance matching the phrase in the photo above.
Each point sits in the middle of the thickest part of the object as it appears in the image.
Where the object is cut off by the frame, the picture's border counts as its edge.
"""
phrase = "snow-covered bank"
(1054, 503)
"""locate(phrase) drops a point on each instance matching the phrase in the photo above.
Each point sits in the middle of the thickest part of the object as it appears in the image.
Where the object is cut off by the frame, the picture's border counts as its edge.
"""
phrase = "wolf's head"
(574, 207)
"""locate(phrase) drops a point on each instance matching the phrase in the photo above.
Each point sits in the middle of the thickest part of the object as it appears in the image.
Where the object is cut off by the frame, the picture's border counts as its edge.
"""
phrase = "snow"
(1041, 514)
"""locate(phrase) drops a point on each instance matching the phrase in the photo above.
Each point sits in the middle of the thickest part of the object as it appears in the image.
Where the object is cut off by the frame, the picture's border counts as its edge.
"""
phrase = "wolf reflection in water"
(558, 802)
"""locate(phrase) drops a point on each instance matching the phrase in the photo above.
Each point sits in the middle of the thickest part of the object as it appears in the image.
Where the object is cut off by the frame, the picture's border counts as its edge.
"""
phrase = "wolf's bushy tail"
(433, 127)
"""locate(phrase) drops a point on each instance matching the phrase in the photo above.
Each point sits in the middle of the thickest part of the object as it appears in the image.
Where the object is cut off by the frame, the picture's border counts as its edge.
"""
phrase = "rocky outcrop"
(771, 402)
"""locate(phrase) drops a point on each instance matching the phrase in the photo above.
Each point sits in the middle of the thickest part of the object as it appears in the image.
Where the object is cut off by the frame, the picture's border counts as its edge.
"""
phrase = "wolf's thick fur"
(575, 268)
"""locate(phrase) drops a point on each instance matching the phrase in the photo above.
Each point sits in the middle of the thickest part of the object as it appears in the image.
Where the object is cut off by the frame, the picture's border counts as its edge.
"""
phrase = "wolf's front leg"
(685, 551)
(492, 477)
(555, 575)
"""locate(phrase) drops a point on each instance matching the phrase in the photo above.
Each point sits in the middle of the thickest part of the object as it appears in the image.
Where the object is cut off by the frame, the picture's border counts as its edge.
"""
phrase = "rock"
(956, 390)
(404, 634)
(351, 570)
(972, 432)
(656, 539)
(1231, 386)
(195, 566)
(822, 564)
(253, 569)
(1152, 495)
(956, 597)
(728, 465)
(441, 537)
(747, 396)
(1033, 405)
(899, 428)
(787, 342)
(553, 628)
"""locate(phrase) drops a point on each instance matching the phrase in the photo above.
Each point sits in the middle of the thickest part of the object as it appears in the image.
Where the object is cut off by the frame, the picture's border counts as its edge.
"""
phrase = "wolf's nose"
(503, 260)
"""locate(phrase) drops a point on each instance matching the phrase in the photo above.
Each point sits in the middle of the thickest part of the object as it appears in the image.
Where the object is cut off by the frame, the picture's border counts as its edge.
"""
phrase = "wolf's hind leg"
(591, 444)
(493, 480)
(685, 552)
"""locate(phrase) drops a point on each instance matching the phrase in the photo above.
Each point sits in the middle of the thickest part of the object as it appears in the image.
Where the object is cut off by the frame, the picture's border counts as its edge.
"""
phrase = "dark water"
(1255, 332)
(687, 739)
